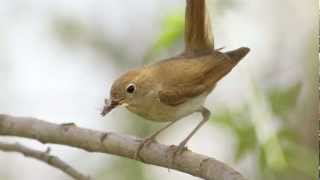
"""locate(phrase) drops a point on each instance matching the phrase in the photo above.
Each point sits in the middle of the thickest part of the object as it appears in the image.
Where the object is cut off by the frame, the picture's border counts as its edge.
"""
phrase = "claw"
(145, 142)
(177, 151)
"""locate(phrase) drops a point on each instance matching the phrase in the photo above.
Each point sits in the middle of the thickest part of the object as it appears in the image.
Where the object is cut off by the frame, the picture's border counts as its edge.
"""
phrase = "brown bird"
(176, 87)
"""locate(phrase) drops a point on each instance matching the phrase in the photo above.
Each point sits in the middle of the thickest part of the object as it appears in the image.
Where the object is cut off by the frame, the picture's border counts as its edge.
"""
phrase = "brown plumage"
(174, 88)
(164, 89)
(196, 75)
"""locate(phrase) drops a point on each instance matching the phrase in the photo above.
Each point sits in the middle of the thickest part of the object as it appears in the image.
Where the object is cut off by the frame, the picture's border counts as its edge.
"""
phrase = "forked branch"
(44, 157)
(117, 144)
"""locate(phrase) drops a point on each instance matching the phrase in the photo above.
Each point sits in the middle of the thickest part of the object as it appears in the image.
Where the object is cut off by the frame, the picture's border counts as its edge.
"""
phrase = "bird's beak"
(109, 105)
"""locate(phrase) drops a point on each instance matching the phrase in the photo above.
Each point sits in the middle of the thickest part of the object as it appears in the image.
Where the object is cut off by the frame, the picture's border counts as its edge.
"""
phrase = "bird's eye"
(131, 88)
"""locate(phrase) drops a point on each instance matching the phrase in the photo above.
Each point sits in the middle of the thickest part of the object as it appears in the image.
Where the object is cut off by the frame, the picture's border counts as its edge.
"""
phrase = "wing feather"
(191, 77)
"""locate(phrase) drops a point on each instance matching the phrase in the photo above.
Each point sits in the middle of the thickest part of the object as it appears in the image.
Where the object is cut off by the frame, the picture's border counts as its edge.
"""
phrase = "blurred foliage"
(172, 29)
(239, 122)
(75, 34)
(279, 155)
(282, 100)
(223, 5)
(121, 169)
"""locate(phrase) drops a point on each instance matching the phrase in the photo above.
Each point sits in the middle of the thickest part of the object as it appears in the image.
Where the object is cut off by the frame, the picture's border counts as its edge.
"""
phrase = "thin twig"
(44, 157)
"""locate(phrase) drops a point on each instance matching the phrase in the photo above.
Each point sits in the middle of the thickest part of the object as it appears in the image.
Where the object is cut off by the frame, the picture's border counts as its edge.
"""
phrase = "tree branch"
(117, 144)
(44, 157)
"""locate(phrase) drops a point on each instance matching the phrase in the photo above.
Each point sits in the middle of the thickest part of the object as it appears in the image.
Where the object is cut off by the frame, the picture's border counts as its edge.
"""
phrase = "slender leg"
(205, 117)
(151, 138)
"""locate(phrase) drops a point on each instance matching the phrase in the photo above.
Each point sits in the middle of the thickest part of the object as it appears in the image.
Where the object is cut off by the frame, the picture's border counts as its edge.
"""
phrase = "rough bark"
(117, 144)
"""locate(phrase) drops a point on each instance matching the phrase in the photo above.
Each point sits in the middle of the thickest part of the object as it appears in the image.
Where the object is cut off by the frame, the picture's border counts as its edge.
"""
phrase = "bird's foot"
(144, 142)
(177, 150)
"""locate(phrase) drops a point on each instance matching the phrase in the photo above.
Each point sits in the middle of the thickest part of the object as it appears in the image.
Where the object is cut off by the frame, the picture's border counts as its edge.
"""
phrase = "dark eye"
(131, 88)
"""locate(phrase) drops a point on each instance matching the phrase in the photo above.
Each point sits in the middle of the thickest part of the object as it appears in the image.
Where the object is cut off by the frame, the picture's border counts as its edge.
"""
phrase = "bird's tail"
(237, 54)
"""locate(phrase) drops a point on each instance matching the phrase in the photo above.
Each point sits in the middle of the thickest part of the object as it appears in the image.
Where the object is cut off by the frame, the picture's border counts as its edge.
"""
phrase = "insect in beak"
(111, 104)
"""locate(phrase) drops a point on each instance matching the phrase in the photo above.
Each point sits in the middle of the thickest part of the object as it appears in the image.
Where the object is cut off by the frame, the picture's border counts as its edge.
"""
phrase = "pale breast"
(157, 111)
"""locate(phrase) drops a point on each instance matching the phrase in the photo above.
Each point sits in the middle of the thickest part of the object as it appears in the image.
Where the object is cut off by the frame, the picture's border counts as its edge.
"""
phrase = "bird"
(173, 88)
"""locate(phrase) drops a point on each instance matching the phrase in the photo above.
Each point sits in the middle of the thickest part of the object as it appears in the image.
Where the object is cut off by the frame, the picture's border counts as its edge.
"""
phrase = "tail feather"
(237, 54)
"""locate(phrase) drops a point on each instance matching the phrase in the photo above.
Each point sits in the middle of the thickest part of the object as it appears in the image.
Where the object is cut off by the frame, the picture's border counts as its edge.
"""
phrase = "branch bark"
(44, 157)
(112, 143)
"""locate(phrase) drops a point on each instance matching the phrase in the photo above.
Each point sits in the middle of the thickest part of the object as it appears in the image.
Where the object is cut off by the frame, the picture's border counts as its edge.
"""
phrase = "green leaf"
(246, 141)
(239, 123)
(224, 118)
(300, 158)
(282, 100)
(262, 158)
(276, 157)
(172, 29)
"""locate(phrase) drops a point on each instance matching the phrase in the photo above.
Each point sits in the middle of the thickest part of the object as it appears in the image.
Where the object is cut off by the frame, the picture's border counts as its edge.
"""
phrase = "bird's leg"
(205, 117)
(150, 139)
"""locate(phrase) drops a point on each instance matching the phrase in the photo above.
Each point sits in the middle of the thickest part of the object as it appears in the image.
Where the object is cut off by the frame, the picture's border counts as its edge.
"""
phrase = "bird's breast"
(154, 110)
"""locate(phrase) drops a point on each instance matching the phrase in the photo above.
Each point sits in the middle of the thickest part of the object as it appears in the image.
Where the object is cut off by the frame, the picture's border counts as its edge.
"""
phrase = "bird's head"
(125, 91)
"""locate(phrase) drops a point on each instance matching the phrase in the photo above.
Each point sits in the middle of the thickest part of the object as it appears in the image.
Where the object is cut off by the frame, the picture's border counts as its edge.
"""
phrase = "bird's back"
(186, 77)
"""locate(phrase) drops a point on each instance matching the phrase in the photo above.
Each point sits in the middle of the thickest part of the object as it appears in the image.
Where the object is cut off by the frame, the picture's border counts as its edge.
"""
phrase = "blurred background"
(59, 58)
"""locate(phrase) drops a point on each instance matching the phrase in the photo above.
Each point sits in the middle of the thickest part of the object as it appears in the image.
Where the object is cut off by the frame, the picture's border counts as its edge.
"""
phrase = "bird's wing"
(191, 77)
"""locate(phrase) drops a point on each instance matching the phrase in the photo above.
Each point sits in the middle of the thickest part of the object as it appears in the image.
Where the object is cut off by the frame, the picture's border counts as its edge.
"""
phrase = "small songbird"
(171, 89)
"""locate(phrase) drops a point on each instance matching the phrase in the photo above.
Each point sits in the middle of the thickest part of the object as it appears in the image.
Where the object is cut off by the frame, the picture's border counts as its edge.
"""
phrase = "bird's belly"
(163, 113)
